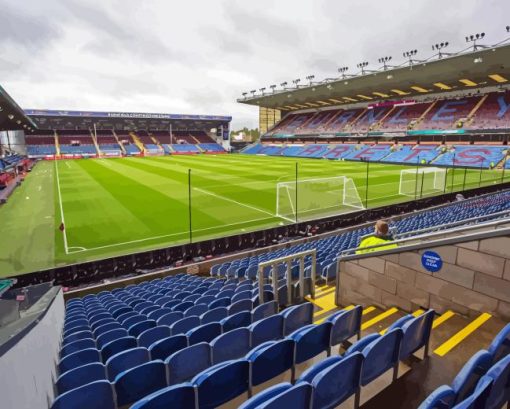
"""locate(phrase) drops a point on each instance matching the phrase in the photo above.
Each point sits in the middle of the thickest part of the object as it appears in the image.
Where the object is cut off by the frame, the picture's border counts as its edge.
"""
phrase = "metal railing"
(288, 259)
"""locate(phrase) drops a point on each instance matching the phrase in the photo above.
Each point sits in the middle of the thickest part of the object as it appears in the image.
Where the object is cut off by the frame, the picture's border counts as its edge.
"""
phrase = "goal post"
(316, 197)
(425, 180)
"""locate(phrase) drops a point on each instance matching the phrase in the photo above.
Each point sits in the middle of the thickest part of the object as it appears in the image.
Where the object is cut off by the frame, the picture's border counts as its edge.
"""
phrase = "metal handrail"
(288, 259)
(494, 224)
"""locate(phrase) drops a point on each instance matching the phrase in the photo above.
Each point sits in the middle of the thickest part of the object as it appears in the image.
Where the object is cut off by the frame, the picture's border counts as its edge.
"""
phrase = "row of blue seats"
(274, 354)
(77, 149)
(41, 150)
(328, 249)
(211, 147)
(483, 382)
(223, 337)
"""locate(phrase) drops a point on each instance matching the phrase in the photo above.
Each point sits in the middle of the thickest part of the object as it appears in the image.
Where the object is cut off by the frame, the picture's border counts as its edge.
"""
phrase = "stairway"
(120, 144)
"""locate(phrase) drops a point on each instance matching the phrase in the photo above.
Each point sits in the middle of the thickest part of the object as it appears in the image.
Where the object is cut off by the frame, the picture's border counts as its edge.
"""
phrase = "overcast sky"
(198, 56)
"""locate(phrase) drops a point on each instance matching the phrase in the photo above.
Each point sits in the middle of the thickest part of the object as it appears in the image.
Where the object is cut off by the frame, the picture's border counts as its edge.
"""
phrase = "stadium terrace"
(147, 263)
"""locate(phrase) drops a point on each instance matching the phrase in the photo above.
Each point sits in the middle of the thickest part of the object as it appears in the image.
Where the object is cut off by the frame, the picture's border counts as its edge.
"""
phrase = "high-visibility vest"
(374, 241)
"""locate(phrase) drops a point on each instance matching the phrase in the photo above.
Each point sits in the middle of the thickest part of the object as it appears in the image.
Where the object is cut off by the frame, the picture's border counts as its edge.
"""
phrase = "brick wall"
(474, 278)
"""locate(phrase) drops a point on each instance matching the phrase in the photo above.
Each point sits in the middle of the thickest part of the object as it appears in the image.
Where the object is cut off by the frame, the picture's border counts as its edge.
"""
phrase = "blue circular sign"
(431, 261)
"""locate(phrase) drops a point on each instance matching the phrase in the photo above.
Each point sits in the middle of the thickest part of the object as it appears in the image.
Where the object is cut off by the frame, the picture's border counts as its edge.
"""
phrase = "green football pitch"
(118, 206)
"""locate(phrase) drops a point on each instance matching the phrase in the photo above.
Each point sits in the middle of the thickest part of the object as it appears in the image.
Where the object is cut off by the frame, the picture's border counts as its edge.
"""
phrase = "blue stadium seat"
(214, 315)
(338, 382)
(204, 333)
(311, 340)
(157, 314)
(196, 310)
(140, 381)
(219, 302)
(76, 359)
(116, 346)
(466, 380)
(132, 321)
(416, 334)
(264, 310)
(183, 306)
(239, 306)
(230, 345)
(180, 396)
(152, 335)
(478, 399)
(140, 327)
(170, 318)
(241, 319)
(441, 398)
(80, 376)
(221, 383)
(242, 295)
(344, 325)
(297, 316)
(499, 375)
(102, 322)
(125, 360)
(270, 359)
(184, 325)
(77, 346)
(97, 395)
(265, 395)
(108, 336)
(295, 397)
(267, 329)
(165, 347)
(500, 345)
(76, 336)
(188, 362)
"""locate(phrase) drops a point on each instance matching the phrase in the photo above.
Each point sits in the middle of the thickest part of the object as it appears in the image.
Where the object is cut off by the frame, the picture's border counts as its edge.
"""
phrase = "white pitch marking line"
(166, 235)
(241, 204)
(66, 248)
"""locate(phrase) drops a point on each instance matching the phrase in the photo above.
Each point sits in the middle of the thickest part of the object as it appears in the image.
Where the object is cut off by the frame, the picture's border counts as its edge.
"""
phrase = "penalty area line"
(64, 234)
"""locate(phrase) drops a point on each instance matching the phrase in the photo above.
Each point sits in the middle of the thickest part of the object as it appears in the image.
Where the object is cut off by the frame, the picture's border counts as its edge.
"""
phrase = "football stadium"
(355, 255)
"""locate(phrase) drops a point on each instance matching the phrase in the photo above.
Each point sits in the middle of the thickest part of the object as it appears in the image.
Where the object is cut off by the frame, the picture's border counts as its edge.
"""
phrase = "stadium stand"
(184, 148)
(328, 249)
(494, 112)
(76, 143)
(41, 144)
(107, 143)
(211, 148)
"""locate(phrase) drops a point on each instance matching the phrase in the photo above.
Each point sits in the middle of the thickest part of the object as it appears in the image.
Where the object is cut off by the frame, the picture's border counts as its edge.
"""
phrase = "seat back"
(126, 360)
(500, 345)
(76, 359)
(270, 359)
(442, 398)
(221, 383)
(220, 302)
(140, 381)
(186, 363)
(151, 335)
(77, 346)
(80, 376)
(267, 329)
(499, 373)
(204, 333)
(170, 318)
(264, 310)
(296, 397)
(140, 327)
(230, 345)
(241, 319)
(381, 355)
(97, 395)
(467, 378)
(184, 325)
(239, 306)
(196, 310)
(297, 317)
(416, 334)
(265, 395)
(76, 336)
(345, 324)
(478, 399)
(157, 314)
(214, 315)
(116, 346)
(176, 396)
(335, 384)
(165, 347)
(311, 340)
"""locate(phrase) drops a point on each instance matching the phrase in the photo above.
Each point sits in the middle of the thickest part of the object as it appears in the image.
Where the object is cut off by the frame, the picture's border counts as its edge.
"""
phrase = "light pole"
(296, 82)
(362, 66)
(343, 70)
(273, 87)
(310, 78)
(384, 61)
(409, 55)
(473, 38)
(440, 46)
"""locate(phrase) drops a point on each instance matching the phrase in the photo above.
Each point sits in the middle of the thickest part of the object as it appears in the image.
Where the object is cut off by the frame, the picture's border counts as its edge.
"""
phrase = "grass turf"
(118, 206)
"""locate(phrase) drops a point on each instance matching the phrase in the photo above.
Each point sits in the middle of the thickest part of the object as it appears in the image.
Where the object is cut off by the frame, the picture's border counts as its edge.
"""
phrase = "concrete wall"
(474, 278)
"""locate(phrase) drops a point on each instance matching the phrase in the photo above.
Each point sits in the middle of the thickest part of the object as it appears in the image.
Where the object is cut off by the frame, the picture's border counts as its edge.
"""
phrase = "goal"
(316, 197)
(421, 181)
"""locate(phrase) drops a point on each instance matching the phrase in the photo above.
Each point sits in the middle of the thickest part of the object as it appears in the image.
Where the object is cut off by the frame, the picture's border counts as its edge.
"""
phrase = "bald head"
(381, 228)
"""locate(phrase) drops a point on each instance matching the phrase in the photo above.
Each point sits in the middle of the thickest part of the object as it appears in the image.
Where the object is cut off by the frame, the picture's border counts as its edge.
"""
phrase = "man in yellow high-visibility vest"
(381, 235)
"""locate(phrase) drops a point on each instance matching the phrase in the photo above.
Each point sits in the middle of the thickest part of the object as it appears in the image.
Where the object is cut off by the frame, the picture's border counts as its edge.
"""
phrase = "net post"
(421, 188)
(301, 278)
(480, 179)
(464, 181)
(289, 282)
(261, 284)
(453, 172)
(275, 284)
(416, 178)
(504, 166)
(189, 207)
(366, 184)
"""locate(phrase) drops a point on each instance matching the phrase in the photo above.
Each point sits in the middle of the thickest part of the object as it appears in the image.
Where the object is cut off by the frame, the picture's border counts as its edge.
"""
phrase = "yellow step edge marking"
(455, 340)
(348, 308)
(322, 291)
(378, 318)
(417, 313)
(368, 310)
(439, 320)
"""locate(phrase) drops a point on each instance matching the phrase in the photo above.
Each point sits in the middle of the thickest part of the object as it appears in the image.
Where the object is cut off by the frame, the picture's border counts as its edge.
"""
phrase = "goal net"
(422, 181)
(315, 197)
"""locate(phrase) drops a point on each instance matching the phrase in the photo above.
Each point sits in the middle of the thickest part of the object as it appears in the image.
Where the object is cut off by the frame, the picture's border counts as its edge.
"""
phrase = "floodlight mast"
(440, 46)
(473, 38)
